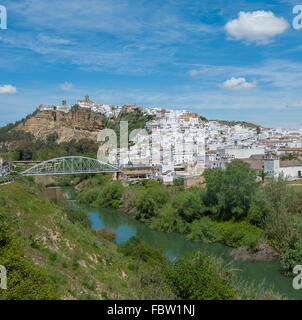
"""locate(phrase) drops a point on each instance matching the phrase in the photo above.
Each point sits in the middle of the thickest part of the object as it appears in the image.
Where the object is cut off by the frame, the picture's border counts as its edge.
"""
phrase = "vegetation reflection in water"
(174, 245)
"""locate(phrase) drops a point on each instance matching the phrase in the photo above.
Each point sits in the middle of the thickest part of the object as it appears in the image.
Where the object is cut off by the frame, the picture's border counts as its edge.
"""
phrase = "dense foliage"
(231, 208)
(25, 281)
(194, 277)
(190, 277)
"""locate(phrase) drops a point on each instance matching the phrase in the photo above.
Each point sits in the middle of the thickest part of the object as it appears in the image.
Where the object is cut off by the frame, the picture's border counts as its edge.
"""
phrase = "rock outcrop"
(78, 123)
(263, 253)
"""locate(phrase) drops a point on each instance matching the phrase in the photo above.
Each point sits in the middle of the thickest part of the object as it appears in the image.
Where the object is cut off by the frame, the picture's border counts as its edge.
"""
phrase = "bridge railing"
(70, 165)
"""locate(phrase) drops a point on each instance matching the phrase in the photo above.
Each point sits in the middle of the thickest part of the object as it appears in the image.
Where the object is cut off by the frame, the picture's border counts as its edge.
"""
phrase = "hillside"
(77, 124)
(51, 253)
(241, 123)
(48, 134)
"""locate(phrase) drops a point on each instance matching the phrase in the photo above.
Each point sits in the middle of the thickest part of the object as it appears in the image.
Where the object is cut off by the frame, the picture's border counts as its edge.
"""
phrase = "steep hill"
(48, 134)
(77, 124)
(52, 253)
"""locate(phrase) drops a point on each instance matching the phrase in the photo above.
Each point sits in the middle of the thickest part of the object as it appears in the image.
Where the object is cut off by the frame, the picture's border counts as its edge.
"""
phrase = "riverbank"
(62, 257)
(267, 273)
(52, 253)
(263, 253)
(261, 221)
(259, 275)
(174, 209)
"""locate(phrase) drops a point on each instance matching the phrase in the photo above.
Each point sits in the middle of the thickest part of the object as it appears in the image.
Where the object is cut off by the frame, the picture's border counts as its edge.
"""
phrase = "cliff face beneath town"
(78, 123)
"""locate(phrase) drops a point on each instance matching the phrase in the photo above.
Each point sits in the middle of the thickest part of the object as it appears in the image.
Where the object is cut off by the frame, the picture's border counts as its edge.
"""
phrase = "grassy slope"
(79, 262)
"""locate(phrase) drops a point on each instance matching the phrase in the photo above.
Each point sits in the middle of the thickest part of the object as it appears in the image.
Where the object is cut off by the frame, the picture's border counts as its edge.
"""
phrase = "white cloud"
(53, 41)
(7, 88)
(207, 69)
(195, 72)
(66, 86)
(295, 105)
(260, 26)
(238, 84)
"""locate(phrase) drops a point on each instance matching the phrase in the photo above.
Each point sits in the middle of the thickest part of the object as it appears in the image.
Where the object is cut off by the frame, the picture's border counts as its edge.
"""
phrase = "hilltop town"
(181, 139)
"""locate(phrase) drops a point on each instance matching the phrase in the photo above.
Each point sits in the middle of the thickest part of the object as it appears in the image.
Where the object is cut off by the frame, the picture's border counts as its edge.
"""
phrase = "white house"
(290, 169)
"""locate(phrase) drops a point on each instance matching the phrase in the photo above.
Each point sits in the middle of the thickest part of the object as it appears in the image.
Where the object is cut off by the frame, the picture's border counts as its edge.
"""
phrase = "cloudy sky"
(232, 60)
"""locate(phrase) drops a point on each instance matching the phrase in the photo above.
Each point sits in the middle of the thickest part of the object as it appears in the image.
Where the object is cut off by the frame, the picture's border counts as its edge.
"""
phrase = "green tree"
(189, 204)
(109, 194)
(230, 191)
(151, 200)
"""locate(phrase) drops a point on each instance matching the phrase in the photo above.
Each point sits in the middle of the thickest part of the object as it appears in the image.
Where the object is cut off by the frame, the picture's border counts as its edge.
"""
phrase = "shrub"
(255, 215)
(128, 200)
(282, 228)
(141, 251)
(52, 256)
(107, 234)
(189, 204)
(150, 201)
(179, 182)
(193, 277)
(115, 204)
(168, 220)
(78, 217)
(204, 230)
(87, 197)
(291, 257)
(109, 193)
(75, 265)
(281, 223)
(237, 234)
(25, 281)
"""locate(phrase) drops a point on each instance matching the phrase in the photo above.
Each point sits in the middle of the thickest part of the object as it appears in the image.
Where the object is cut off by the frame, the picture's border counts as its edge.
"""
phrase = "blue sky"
(233, 60)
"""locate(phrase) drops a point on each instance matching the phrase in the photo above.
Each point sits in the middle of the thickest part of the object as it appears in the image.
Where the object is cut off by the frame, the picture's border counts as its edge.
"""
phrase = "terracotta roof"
(291, 163)
(290, 149)
(255, 161)
(257, 157)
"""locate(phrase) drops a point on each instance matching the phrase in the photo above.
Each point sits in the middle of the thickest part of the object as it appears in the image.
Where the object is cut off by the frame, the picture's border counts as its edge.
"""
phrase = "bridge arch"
(70, 165)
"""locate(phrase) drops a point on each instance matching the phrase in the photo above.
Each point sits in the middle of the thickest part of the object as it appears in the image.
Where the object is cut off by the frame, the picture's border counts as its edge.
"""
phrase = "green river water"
(172, 244)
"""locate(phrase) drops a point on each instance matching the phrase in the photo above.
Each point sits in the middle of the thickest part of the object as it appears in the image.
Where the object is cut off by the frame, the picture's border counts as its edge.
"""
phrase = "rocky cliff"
(78, 123)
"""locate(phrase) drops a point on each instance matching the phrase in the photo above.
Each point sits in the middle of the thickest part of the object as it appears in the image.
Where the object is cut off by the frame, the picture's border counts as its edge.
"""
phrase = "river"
(174, 245)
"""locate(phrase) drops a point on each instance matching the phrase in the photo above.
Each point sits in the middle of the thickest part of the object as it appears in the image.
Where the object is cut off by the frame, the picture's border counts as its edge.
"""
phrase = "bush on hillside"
(193, 277)
(141, 251)
(107, 234)
(78, 217)
(25, 281)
